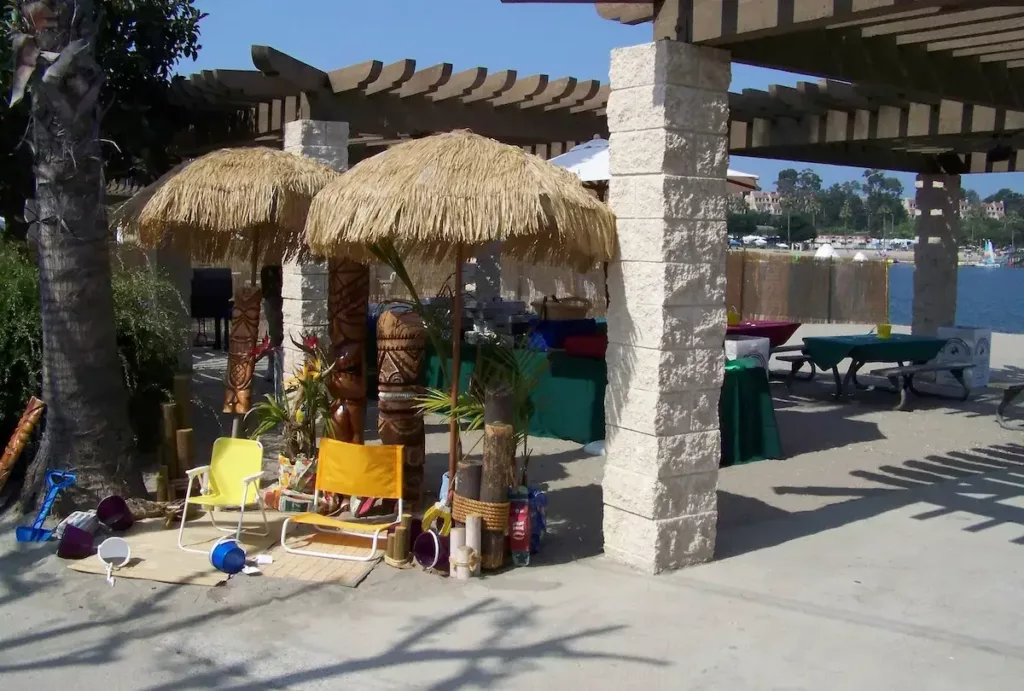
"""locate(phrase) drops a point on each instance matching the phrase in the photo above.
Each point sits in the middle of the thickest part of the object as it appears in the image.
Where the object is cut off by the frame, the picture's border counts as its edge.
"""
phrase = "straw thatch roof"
(428, 195)
(231, 202)
(124, 218)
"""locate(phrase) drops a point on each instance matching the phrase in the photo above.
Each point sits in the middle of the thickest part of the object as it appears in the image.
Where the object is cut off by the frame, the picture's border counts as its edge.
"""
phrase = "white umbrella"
(589, 161)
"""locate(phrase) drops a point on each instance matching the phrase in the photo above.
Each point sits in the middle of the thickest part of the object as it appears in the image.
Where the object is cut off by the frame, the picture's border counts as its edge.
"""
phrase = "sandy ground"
(885, 551)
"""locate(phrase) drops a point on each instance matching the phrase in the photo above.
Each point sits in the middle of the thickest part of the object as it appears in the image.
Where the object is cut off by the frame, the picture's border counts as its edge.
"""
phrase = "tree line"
(872, 205)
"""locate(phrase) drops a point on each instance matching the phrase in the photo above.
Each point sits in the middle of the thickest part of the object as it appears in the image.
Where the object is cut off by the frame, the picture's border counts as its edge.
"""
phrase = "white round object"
(860, 257)
(594, 448)
(826, 251)
(114, 552)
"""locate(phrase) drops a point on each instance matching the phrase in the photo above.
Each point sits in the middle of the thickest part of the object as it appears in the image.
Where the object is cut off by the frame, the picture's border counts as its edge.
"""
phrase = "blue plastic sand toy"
(56, 480)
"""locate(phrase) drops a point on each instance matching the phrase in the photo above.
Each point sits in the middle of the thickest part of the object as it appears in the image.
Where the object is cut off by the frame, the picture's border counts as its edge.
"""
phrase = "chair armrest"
(251, 478)
(196, 471)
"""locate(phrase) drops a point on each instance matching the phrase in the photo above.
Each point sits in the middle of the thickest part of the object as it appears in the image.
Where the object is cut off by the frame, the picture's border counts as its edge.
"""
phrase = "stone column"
(304, 284)
(668, 115)
(936, 253)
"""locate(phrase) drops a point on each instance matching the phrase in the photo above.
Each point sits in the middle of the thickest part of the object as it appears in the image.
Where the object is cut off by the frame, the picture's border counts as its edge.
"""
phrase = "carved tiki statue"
(348, 292)
(401, 350)
(245, 326)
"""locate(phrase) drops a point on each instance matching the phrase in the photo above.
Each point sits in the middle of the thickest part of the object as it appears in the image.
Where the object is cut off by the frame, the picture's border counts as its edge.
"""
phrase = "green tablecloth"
(746, 415)
(828, 351)
(568, 401)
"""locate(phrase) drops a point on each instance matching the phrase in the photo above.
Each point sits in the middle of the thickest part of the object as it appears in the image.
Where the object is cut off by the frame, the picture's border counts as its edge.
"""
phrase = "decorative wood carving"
(348, 292)
(20, 438)
(245, 325)
(401, 350)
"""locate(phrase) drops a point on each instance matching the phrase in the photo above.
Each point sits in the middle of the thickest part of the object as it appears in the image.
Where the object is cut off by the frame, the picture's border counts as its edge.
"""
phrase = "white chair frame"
(204, 470)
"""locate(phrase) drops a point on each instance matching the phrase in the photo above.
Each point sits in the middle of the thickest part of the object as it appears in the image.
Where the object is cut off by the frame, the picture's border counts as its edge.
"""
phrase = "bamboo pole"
(186, 449)
(182, 390)
(168, 433)
(453, 424)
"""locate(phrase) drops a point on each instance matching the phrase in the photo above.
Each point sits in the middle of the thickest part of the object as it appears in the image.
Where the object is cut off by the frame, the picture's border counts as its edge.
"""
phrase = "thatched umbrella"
(246, 202)
(124, 218)
(437, 197)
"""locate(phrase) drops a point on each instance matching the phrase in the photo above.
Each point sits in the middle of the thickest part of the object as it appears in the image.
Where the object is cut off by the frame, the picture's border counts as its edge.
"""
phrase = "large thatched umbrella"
(246, 202)
(438, 197)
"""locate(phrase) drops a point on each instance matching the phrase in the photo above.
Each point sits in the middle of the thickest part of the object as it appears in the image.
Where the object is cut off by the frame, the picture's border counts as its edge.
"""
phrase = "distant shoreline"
(902, 256)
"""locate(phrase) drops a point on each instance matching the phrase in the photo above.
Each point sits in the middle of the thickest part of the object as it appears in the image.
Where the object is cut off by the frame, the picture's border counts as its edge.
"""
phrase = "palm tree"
(87, 425)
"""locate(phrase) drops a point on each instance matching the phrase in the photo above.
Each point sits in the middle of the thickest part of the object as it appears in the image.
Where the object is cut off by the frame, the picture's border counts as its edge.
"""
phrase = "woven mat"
(318, 569)
(156, 556)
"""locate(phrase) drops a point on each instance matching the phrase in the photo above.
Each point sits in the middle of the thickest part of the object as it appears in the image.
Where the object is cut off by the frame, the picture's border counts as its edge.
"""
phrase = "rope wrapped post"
(499, 456)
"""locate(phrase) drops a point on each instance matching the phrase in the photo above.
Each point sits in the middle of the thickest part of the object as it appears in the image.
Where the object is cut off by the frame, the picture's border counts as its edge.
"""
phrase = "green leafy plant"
(499, 365)
(149, 331)
(304, 407)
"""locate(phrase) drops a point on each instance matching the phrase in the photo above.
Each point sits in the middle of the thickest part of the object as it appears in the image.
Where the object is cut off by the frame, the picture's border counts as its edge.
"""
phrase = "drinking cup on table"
(884, 330)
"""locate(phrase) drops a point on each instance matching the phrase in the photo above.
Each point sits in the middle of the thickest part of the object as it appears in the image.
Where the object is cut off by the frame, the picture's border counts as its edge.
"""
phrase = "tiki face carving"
(245, 324)
(348, 292)
(401, 341)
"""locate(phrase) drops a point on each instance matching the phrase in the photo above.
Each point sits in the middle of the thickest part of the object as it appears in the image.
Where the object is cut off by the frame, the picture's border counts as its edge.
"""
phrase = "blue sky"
(558, 40)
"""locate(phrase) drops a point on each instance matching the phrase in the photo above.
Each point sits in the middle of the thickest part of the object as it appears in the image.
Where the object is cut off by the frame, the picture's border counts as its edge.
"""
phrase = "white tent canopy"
(589, 161)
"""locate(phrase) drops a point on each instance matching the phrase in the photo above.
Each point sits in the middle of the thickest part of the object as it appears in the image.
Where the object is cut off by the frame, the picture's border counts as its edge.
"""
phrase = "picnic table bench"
(902, 378)
(796, 360)
(1010, 393)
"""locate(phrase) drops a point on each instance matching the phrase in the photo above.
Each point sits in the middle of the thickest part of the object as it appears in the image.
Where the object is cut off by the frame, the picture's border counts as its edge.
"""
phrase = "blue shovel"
(56, 480)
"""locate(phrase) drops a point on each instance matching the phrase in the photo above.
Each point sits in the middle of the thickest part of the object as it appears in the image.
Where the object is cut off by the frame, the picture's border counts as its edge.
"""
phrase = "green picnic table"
(746, 414)
(826, 352)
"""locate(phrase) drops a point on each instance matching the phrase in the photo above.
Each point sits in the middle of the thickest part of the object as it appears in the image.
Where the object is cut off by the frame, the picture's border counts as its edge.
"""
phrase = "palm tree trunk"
(87, 426)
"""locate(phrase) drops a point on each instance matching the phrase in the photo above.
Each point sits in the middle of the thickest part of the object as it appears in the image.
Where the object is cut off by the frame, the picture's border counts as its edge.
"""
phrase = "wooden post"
(389, 551)
(467, 480)
(162, 485)
(401, 535)
(186, 449)
(183, 399)
(168, 433)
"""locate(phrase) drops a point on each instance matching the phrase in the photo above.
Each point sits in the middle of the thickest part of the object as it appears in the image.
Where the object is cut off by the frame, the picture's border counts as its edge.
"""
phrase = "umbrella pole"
(453, 423)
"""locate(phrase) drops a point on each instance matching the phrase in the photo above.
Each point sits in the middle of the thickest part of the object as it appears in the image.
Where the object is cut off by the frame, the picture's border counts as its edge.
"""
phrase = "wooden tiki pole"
(401, 349)
(453, 423)
(20, 438)
(245, 325)
(348, 295)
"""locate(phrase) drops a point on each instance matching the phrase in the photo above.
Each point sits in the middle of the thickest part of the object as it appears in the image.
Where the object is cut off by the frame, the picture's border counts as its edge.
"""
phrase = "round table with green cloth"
(746, 414)
(568, 401)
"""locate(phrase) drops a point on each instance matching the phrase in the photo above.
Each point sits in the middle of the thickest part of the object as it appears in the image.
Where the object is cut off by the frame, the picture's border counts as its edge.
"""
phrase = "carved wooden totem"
(401, 350)
(348, 292)
(245, 326)
(20, 438)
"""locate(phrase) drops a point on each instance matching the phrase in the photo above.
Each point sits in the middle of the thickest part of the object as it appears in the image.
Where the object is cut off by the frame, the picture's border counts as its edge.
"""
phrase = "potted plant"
(302, 413)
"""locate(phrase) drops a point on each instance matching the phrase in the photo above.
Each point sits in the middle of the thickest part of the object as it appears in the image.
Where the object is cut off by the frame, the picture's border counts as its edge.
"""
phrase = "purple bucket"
(114, 513)
(75, 543)
(431, 551)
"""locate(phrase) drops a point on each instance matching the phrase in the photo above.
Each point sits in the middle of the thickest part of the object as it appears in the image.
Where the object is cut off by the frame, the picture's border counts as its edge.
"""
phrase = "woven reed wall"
(807, 290)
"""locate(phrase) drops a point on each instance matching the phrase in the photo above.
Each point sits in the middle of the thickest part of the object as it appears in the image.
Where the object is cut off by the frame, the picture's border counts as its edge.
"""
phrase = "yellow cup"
(732, 317)
(884, 330)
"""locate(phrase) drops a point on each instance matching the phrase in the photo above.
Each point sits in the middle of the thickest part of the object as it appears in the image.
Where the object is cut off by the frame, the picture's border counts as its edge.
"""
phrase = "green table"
(828, 351)
(746, 415)
(569, 398)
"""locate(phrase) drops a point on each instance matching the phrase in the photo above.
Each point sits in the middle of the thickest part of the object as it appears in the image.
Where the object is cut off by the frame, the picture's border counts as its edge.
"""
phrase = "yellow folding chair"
(352, 469)
(231, 479)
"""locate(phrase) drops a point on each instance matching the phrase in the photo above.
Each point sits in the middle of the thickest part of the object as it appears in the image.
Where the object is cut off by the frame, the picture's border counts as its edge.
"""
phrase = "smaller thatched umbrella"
(247, 202)
(125, 217)
(436, 197)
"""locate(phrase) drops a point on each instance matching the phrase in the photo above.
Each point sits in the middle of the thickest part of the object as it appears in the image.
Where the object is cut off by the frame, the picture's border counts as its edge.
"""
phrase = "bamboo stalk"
(453, 423)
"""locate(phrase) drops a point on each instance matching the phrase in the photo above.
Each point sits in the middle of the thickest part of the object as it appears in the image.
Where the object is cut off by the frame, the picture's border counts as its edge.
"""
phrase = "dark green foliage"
(148, 335)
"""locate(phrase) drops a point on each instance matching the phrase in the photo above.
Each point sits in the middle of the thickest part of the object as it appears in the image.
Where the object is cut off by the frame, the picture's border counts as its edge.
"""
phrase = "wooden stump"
(499, 450)
(493, 549)
(186, 450)
(182, 391)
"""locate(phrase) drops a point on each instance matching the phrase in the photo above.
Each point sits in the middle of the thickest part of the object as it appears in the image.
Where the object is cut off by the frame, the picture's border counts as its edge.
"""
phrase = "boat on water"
(988, 259)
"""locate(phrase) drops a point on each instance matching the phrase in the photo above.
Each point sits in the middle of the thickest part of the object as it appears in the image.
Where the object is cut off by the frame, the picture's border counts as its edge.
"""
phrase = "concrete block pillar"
(936, 253)
(668, 115)
(304, 284)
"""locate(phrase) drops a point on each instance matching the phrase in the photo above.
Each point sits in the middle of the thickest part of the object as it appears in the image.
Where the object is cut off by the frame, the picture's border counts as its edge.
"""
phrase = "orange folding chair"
(352, 469)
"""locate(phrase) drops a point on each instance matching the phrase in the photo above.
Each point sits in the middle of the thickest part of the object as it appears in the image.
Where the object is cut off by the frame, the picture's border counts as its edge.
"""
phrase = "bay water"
(986, 297)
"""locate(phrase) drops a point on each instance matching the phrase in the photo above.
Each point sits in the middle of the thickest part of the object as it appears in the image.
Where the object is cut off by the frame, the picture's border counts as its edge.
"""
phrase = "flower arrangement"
(303, 410)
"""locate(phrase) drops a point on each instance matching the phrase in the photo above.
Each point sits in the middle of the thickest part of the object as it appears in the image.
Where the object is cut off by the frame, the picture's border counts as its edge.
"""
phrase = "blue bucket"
(228, 556)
